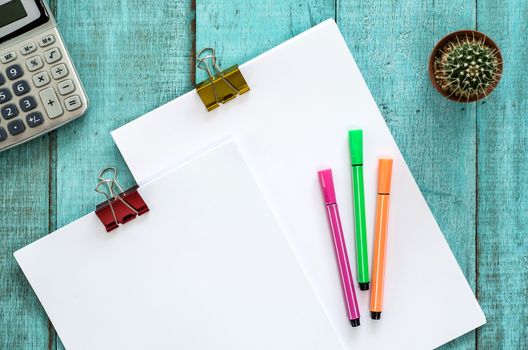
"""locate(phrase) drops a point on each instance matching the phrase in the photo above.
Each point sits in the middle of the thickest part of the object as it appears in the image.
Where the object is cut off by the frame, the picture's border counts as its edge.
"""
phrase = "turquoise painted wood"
(134, 56)
(502, 135)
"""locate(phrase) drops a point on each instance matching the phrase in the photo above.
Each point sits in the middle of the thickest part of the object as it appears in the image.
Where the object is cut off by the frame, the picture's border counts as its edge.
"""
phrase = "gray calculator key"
(59, 71)
(5, 95)
(3, 134)
(14, 72)
(8, 57)
(65, 87)
(34, 119)
(28, 48)
(73, 103)
(28, 103)
(20, 88)
(34, 63)
(51, 103)
(47, 40)
(16, 127)
(41, 79)
(2, 79)
(9, 111)
(52, 55)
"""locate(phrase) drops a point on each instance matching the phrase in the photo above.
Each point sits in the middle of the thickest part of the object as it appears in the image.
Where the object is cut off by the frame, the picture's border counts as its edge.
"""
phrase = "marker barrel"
(380, 238)
(361, 227)
(343, 263)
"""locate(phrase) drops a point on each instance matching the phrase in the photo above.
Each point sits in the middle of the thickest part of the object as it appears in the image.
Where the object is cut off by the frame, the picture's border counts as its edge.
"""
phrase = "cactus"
(467, 68)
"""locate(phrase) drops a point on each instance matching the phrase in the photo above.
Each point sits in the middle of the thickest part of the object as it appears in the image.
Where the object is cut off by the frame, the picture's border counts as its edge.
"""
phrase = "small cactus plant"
(466, 66)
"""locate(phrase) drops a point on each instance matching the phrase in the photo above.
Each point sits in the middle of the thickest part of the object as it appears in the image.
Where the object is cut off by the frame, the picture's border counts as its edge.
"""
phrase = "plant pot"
(435, 66)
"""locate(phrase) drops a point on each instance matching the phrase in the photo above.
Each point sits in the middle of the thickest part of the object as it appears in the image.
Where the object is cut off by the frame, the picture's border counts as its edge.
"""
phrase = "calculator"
(40, 89)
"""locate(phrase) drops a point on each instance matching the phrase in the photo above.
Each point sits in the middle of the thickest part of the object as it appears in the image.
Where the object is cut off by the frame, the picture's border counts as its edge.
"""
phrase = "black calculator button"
(34, 119)
(20, 88)
(28, 103)
(5, 95)
(14, 72)
(2, 79)
(16, 127)
(9, 111)
(3, 134)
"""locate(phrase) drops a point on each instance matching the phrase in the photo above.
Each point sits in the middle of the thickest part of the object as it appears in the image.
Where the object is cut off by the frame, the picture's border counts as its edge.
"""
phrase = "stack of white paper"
(207, 268)
(305, 95)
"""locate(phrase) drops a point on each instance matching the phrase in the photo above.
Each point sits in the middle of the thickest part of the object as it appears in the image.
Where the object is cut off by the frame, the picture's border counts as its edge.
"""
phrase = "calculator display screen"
(11, 11)
(20, 16)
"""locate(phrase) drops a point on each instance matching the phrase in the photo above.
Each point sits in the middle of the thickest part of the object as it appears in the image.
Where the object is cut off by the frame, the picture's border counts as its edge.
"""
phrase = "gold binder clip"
(221, 87)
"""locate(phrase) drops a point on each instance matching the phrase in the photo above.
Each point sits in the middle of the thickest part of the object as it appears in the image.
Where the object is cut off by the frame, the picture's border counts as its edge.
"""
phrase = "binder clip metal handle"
(120, 206)
(222, 85)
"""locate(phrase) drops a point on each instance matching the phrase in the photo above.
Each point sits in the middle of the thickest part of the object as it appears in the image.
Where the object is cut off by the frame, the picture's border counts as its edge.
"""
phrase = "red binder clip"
(119, 207)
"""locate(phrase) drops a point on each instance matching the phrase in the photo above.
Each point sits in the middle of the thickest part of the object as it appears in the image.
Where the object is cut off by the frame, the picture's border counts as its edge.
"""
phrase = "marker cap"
(355, 142)
(384, 175)
(327, 186)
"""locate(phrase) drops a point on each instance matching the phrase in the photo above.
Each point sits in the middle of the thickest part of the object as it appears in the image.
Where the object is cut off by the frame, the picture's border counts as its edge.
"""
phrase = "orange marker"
(380, 237)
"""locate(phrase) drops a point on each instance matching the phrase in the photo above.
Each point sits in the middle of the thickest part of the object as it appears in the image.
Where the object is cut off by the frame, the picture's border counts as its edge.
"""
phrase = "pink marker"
(327, 185)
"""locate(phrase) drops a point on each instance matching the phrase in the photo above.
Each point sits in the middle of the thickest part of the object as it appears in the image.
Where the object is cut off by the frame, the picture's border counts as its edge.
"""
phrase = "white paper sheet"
(305, 95)
(207, 268)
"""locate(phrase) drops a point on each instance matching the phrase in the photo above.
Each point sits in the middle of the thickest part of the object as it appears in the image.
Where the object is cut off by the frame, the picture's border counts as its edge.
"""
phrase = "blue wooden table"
(468, 159)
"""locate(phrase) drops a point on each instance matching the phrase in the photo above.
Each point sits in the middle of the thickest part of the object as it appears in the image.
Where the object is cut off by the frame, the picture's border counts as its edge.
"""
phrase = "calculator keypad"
(39, 88)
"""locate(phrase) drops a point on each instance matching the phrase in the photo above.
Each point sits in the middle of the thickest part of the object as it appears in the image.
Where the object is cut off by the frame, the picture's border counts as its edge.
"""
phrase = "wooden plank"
(391, 42)
(132, 56)
(240, 30)
(502, 128)
(24, 206)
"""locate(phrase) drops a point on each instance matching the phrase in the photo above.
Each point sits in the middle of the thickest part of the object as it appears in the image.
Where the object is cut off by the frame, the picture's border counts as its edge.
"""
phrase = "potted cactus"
(465, 66)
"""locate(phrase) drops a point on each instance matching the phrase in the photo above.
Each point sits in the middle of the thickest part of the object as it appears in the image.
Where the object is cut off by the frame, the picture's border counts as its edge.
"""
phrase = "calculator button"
(59, 71)
(2, 79)
(34, 63)
(28, 103)
(16, 127)
(34, 119)
(3, 134)
(47, 40)
(14, 72)
(51, 103)
(20, 88)
(73, 103)
(5, 95)
(52, 55)
(8, 57)
(66, 87)
(28, 48)
(41, 79)
(9, 111)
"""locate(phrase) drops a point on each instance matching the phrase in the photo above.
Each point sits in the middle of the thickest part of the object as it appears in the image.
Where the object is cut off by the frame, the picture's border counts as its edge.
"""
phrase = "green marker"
(355, 138)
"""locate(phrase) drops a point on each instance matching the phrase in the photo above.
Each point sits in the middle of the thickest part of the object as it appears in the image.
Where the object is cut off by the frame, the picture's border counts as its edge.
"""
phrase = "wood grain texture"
(23, 219)
(391, 42)
(241, 29)
(502, 182)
